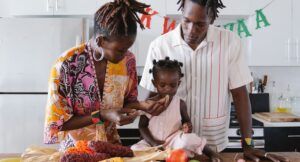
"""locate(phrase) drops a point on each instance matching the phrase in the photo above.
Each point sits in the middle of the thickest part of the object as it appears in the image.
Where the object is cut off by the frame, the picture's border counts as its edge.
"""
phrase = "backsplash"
(283, 76)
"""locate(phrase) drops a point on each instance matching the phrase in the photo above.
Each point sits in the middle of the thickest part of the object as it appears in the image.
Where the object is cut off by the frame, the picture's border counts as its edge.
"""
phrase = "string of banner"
(242, 29)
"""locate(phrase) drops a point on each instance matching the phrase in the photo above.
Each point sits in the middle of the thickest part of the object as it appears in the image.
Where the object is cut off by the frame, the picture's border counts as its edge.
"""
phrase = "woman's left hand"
(119, 116)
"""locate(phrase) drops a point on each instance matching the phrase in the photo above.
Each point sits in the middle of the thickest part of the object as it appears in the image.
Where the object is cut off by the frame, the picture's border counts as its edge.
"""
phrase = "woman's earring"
(101, 52)
(101, 57)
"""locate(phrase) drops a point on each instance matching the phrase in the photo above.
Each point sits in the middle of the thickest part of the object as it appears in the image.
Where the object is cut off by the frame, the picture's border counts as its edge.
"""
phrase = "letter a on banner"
(229, 26)
(148, 17)
(260, 17)
(167, 27)
(242, 28)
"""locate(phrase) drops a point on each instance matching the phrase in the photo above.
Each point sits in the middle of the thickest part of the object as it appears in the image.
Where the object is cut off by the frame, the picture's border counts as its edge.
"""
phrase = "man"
(214, 66)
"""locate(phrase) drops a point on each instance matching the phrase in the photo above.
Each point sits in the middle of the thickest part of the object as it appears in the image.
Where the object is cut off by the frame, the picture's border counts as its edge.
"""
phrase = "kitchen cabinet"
(28, 50)
(282, 139)
(233, 7)
(31, 7)
(296, 27)
(3, 8)
(65, 7)
(77, 7)
(271, 45)
(26, 57)
(54, 7)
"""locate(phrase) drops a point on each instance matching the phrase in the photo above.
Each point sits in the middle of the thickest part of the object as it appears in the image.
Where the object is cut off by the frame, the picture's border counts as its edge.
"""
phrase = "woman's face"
(115, 48)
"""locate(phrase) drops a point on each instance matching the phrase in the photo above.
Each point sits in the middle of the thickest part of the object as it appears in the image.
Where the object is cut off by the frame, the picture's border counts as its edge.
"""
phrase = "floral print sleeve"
(57, 111)
(132, 92)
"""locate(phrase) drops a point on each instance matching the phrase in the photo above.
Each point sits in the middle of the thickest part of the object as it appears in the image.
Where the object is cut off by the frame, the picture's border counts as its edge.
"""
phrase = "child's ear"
(179, 83)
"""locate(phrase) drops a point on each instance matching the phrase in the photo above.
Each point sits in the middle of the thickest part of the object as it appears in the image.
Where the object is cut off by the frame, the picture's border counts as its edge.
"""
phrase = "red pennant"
(170, 27)
(148, 17)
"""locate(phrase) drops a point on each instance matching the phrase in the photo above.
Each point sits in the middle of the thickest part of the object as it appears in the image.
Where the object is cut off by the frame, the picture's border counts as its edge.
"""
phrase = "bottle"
(273, 97)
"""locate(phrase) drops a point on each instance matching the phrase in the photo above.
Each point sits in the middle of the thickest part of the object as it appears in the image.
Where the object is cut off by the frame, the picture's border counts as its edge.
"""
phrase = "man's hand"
(256, 155)
(213, 156)
(155, 107)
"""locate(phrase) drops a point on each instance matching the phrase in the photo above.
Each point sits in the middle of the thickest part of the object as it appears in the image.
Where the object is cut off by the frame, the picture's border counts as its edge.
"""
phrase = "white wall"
(282, 76)
(4, 5)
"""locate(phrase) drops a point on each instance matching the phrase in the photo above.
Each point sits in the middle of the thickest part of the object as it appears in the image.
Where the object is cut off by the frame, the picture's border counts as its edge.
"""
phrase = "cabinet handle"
(57, 7)
(49, 6)
(293, 136)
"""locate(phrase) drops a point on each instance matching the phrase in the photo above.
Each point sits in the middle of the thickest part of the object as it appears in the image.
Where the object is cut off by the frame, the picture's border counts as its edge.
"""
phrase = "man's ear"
(154, 83)
(211, 17)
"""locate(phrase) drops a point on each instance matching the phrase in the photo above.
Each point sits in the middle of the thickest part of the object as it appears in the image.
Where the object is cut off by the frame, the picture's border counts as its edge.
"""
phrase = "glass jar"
(284, 105)
(296, 105)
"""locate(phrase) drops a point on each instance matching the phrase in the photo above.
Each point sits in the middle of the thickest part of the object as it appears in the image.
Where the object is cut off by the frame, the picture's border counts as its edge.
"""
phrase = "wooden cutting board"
(278, 117)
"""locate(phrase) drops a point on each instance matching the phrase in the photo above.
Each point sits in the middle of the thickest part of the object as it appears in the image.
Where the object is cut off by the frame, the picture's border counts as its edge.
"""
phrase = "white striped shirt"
(216, 66)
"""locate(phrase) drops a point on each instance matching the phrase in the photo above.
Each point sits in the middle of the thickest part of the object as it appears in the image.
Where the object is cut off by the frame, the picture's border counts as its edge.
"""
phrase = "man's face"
(194, 24)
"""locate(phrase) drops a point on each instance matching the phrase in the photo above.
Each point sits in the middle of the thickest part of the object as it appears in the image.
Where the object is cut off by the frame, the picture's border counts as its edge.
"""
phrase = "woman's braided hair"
(119, 18)
(166, 65)
(211, 5)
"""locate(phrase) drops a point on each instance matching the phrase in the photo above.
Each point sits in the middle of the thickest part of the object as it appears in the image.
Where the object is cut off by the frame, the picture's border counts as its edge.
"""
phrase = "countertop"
(277, 124)
(228, 157)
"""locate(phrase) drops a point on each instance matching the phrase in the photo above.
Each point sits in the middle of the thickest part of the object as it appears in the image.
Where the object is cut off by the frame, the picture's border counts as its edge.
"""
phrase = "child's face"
(166, 82)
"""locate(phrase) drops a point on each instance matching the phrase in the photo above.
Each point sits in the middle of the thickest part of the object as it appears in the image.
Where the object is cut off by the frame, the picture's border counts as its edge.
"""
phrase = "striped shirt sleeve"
(239, 73)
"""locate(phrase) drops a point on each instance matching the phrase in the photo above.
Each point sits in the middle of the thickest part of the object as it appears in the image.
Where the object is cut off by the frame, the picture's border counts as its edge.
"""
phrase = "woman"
(90, 84)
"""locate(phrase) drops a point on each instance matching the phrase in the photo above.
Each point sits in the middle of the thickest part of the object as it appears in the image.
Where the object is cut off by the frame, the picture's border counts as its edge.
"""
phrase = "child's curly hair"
(166, 64)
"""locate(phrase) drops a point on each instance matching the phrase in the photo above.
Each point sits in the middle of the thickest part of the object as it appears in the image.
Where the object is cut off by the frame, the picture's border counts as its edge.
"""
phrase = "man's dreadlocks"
(211, 5)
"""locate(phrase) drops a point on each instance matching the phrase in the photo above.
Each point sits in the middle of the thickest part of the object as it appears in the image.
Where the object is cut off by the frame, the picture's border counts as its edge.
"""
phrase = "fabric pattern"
(73, 91)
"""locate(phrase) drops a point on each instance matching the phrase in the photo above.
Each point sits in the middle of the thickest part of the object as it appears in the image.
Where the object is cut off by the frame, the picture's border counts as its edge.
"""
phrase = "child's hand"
(187, 127)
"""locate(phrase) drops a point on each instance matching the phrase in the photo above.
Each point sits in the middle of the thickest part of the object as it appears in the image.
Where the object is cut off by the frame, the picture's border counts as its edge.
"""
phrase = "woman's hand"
(155, 107)
(187, 127)
(119, 116)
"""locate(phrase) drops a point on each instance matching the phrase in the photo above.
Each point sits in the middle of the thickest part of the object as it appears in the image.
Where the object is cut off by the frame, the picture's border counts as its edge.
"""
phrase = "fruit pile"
(94, 151)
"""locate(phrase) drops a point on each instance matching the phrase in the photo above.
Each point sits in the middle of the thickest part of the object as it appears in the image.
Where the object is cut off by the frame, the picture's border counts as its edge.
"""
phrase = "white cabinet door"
(28, 49)
(31, 7)
(233, 7)
(22, 119)
(269, 45)
(77, 7)
(4, 8)
(296, 28)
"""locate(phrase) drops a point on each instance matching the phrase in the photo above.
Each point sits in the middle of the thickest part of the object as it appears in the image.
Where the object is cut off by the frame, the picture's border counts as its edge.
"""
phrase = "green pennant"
(242, 28)
(229, 26)
(261, 18)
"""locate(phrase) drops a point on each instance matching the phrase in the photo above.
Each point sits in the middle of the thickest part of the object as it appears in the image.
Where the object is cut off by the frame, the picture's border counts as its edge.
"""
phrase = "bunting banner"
(240, 25)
